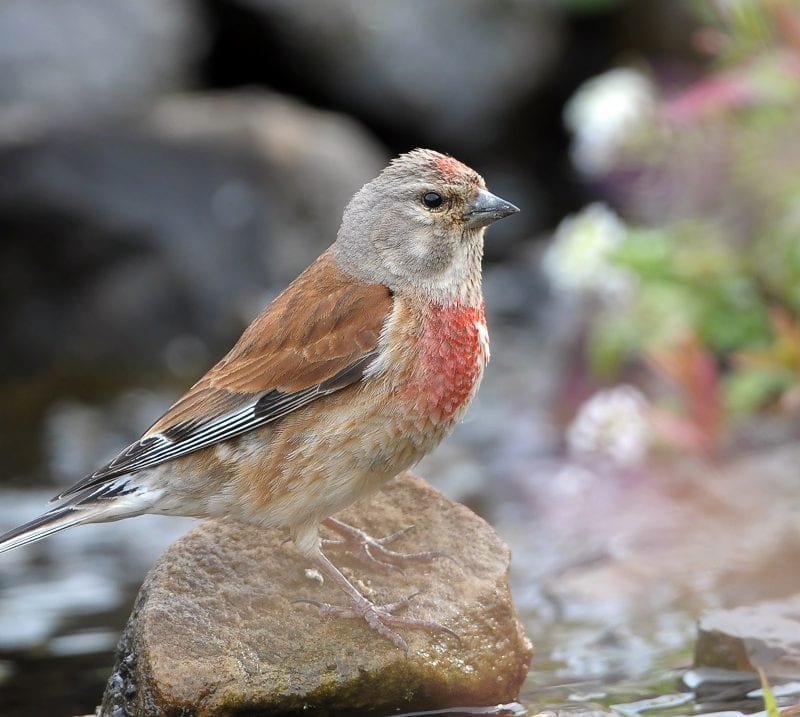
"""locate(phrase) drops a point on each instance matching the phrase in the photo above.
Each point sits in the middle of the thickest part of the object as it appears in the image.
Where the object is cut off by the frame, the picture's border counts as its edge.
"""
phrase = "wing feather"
(317, 337)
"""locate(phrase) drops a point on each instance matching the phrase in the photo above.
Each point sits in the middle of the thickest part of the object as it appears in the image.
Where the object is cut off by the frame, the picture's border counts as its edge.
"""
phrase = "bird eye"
(432, 200)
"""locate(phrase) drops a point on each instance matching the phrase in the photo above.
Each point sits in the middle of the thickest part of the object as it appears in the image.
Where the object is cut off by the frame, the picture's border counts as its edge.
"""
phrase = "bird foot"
(381, 618)
(373, 550)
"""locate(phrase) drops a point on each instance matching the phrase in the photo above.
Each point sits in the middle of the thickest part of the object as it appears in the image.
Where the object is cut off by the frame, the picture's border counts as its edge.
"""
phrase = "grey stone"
(216, 629)
(765, 635)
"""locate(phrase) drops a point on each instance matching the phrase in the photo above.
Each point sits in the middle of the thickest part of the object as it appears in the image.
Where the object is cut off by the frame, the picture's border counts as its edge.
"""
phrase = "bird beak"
(486, 208)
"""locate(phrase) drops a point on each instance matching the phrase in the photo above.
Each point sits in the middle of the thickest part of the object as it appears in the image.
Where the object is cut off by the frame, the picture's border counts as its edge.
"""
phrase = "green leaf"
(749, 390)
(770, 703)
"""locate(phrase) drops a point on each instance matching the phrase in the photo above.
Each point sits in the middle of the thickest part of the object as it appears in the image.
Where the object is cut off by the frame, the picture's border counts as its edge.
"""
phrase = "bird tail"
(50, 522)
(96, 506)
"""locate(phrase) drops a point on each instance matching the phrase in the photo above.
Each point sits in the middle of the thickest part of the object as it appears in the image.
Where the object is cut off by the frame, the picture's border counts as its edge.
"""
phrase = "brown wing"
(320, 324)
(317, 337)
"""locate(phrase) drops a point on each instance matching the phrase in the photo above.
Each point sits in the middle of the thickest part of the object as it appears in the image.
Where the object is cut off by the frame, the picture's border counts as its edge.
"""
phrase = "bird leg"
(362, 545)
(380, 618)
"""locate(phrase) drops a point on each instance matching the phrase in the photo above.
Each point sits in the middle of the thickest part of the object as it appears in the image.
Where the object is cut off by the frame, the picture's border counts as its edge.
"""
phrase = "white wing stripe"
(222, 428)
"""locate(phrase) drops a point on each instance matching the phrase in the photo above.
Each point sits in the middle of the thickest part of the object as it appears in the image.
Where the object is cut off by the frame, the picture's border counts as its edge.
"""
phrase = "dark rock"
(215, 629)
(149, 243)
(765, 635)
(430, 67)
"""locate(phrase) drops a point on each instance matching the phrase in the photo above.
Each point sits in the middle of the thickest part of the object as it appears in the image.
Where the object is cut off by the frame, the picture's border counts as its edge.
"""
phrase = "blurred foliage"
(716, 185)
(699, 425)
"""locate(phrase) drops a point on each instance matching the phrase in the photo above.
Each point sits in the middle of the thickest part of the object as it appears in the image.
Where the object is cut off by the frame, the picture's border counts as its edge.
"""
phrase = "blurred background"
(166, 168)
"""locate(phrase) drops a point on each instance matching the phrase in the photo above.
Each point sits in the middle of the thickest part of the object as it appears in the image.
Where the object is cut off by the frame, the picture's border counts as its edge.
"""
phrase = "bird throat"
(453, 349)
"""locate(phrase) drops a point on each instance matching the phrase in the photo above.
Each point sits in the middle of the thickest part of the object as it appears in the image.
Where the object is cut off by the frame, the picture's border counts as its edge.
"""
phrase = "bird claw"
(380, 617)
(360, 544)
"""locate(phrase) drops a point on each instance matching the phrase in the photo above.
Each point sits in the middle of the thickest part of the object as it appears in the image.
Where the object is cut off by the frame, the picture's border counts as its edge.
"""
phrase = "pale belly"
(343, 447)
(342, 459)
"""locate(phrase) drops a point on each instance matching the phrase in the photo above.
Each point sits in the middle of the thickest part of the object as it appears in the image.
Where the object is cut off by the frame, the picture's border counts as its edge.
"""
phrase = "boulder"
(404, 65)
(765, 635)
(217, 629)
(177, 225)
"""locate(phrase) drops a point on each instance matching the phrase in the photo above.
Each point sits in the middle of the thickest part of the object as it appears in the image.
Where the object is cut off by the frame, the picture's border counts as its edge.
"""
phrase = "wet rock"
(718, 689)
(765, 635)
(215, 629)
(154, 242)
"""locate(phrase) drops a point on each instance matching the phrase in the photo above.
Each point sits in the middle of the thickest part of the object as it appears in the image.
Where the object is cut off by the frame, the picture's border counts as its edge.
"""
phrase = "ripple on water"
(83, 571)
(86, 642)
(30, 612)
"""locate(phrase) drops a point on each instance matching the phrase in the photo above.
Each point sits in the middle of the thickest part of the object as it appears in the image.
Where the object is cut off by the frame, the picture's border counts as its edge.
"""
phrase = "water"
(579, 668)
(63, 604)
(610, 569)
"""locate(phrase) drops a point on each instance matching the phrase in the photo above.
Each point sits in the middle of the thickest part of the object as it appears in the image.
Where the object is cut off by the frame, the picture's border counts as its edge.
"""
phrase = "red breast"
(452, 350)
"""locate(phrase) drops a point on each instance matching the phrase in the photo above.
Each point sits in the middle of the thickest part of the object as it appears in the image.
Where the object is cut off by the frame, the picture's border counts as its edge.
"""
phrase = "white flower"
(611, 424)
(579, 258)
(602, 113)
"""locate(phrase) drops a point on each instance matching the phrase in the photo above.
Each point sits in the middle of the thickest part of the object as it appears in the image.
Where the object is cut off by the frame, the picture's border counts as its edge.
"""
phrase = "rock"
(154, 242)
(765, 635)
(402, 65)
(215, 629)
(62, 64)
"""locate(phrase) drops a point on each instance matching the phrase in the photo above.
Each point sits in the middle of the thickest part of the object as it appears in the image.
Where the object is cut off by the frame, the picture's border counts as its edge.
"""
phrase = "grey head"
(418, 228)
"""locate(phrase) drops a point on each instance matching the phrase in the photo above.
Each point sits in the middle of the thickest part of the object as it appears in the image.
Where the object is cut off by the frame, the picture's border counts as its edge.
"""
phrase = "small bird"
(357, 370)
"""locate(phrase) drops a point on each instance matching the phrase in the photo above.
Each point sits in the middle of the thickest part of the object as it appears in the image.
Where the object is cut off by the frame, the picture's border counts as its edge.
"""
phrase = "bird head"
(418, 228)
